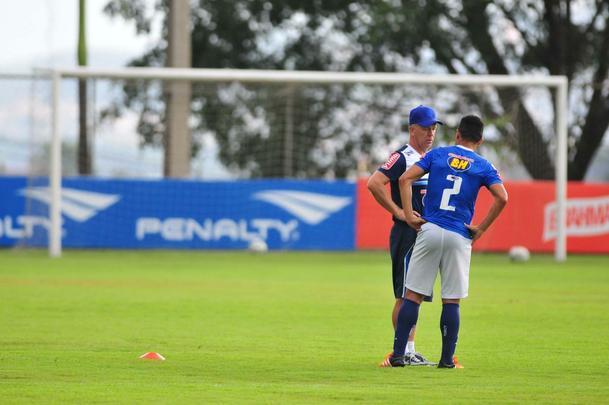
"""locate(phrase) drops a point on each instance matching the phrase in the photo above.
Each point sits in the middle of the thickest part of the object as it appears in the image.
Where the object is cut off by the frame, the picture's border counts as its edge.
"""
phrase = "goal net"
(255, 125)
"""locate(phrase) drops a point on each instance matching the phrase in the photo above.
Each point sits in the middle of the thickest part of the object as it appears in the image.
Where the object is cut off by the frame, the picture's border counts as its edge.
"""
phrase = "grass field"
(291, 328)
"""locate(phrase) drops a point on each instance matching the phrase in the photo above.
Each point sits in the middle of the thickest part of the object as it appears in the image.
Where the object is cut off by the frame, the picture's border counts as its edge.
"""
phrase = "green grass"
(291, 328)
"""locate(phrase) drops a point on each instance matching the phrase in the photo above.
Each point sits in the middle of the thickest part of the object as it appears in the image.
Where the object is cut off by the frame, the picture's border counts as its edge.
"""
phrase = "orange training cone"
(152, 356)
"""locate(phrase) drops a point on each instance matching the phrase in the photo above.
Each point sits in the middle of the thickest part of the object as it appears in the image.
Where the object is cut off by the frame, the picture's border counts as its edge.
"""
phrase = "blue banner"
(176, 214)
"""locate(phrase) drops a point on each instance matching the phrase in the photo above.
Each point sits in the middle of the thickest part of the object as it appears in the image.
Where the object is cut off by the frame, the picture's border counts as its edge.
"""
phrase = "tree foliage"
(567, 37)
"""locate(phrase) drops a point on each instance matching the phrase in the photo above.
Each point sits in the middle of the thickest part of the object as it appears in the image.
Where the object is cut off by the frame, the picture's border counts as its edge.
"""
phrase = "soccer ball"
(258, 245)
(519, 254)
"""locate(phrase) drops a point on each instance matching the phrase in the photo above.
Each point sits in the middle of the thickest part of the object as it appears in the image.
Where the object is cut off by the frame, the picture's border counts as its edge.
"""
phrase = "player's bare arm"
(500, 197)
(377, 184)
(406, 180)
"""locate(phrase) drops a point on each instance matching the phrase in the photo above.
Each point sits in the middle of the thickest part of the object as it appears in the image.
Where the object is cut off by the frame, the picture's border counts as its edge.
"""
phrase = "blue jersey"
(456, 174)
(400, 161)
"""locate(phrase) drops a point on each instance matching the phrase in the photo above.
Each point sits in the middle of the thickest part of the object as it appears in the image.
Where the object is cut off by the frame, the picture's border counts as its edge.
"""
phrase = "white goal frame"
(560, 83)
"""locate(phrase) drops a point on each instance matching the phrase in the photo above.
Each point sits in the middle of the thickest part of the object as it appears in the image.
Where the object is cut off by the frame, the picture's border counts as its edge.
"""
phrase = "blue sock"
(407, 318)
(449, 327)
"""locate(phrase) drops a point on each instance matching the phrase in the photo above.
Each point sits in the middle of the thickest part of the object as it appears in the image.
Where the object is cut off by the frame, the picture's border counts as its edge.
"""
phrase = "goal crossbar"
(304, 76)
(560, 83)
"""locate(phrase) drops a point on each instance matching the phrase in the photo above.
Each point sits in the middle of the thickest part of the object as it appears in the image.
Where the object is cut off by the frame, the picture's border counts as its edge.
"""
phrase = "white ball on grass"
(258, 245)
(519, 254)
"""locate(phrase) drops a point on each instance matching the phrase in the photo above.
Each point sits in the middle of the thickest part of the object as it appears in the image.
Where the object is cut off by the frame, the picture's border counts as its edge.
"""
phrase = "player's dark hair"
(471, 128)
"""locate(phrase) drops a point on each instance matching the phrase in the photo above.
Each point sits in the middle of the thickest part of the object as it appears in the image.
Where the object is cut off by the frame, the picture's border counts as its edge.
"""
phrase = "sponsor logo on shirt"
(391, 161)
(459, 163)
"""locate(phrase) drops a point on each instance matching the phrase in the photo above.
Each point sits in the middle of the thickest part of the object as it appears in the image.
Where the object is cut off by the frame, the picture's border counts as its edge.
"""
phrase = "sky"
(44, 33)
(38, 34)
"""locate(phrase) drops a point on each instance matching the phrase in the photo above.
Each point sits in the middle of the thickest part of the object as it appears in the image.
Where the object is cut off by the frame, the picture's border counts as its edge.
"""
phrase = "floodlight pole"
(55, 172)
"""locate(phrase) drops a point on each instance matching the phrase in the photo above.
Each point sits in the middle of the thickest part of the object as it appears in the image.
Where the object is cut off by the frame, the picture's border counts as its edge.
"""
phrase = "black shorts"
(401, 243)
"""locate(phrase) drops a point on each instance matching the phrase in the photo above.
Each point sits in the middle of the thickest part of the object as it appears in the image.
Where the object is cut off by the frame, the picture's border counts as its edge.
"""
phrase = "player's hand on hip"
(415, 222)
(474, 231)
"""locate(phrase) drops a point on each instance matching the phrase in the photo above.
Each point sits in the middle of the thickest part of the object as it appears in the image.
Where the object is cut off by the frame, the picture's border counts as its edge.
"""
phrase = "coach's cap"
(423, 116)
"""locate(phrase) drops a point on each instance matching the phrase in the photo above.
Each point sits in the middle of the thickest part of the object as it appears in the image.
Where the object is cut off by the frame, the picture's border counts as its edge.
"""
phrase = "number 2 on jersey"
(450, 191)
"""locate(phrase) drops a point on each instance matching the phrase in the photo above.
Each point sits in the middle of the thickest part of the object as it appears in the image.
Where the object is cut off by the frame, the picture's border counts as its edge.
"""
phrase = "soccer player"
(422, 125)
(456, 173)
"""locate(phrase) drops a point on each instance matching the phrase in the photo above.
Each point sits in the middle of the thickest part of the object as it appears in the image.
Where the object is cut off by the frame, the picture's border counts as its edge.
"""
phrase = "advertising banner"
(175, 214)
(529, 219)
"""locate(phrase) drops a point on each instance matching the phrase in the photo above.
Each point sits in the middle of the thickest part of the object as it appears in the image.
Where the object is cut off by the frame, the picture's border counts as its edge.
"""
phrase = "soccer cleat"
(417, 359)
(393, 361)
(385, 362)
(455, 364)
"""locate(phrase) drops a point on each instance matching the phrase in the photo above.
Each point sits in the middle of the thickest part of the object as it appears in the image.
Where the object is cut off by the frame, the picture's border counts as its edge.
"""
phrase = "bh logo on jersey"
(459, 163)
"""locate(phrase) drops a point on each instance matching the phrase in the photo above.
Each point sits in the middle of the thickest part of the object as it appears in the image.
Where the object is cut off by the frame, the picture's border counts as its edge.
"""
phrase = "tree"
(483, 36)
(228, 34)
(561, 37)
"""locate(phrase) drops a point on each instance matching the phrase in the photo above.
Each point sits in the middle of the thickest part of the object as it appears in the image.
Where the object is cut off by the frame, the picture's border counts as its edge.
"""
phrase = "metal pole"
(84, 150)
(55, 173)
(288, 145)
(178, 142)
(560, 252)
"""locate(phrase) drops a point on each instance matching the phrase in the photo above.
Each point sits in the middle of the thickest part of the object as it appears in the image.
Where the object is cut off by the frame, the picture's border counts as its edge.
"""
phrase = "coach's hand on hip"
(415, 222)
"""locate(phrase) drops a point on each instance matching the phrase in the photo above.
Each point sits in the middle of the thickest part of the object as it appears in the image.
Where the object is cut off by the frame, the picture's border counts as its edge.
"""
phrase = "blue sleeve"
(425, 162)
(491, 176)
(394, 166)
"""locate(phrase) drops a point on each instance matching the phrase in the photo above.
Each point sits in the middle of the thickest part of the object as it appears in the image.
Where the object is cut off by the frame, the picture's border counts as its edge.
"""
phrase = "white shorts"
(437, 248)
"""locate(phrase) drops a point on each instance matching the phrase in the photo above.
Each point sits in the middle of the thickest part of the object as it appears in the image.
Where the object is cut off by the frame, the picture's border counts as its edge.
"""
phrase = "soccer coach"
(422, 126)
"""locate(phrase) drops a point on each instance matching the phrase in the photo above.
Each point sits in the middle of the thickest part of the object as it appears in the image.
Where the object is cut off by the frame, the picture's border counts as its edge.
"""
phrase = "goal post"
(557, 83)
